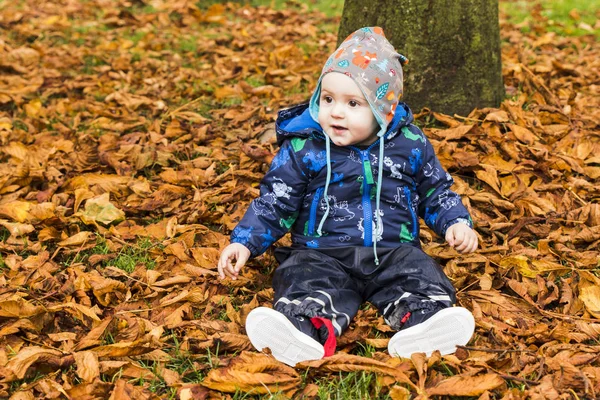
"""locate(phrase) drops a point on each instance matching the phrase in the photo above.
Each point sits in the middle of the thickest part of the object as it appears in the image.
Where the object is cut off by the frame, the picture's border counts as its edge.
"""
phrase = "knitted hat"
(370, 60)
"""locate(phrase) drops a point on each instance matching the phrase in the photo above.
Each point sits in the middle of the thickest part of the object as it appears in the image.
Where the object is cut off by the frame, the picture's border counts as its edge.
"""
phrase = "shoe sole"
(268, 328)
(445, 330)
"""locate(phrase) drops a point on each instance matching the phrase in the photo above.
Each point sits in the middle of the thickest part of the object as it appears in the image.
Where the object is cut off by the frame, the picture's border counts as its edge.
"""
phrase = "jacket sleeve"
(271, 215)
(439, 206)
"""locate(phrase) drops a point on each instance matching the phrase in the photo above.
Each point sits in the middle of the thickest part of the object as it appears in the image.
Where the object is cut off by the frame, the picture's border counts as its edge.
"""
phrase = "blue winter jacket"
(291, 193)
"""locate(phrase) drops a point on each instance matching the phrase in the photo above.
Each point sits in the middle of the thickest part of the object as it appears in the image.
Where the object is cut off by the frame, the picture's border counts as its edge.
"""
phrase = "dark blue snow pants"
(407, 286)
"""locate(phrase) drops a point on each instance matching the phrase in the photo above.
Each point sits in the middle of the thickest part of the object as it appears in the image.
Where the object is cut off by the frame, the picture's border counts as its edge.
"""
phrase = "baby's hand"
(462, 238)
(236, 251)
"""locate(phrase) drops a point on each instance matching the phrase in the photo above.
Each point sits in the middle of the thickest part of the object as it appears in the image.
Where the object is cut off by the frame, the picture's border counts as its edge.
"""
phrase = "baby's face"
(344, 113)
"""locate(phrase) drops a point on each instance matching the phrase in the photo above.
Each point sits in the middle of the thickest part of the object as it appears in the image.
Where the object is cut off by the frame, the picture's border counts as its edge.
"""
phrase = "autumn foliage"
(133, 135)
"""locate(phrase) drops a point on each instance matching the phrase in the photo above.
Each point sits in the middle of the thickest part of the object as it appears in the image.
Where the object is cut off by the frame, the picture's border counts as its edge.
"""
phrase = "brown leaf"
(88, 368)
(351, 363)
(144, 345)
(78, 239)
(453, 133)
(489, 175)
(524, 135)
(192, 391)
(400, 393)
(21, 211)
(126, 391)
(462, 385)
(18, 308)
(94, 336)
(253, 373)
(20, 363)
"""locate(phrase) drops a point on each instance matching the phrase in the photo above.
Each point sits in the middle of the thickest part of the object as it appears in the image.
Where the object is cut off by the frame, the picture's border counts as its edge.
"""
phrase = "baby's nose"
(337, 110)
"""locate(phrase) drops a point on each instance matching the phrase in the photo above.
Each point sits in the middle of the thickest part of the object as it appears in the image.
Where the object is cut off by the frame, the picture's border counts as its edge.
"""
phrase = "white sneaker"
(445, 330)
(268, 328)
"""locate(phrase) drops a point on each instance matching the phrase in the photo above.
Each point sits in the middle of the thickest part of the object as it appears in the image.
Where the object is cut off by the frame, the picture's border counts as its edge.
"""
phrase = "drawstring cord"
(379, 226)
(325, 196)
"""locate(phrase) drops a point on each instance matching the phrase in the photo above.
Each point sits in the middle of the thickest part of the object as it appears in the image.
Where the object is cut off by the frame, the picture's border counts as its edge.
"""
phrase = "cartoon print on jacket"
(431, 171)
(415, 160)
(404, 198)
(394, 168)
(281, 189)
(281, 158)
(446, 201)
(315, 161)
(291, 192)
(264, 205)
(339, 211)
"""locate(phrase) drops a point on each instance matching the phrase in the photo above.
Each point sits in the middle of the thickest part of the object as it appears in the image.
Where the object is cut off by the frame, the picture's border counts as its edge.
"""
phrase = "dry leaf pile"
(133, 135)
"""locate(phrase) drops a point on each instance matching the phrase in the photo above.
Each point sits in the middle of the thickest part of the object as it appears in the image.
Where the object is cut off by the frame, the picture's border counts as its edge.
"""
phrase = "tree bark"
(453, 47)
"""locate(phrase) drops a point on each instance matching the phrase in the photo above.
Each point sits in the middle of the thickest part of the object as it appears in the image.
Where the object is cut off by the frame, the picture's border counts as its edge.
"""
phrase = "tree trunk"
(453, 47)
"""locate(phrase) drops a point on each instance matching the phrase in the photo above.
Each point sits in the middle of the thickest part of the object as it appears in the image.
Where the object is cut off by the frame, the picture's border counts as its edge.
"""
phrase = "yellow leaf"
(52, 20)
(518, 261)
(16, 210)
(33, 108)
(5, 124)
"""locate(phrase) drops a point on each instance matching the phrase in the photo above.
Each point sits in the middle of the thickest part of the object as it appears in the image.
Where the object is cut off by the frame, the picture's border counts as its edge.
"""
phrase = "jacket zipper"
(366, 197)
(313, 211)
(366, 200)
(407, 193)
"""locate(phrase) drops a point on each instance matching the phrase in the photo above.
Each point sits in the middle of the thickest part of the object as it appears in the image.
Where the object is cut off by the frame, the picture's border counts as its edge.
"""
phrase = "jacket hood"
(297, 121)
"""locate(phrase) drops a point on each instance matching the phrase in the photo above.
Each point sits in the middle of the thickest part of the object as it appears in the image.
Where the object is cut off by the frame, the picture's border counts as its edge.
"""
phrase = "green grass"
(353, 385)
(129, 257)
(125, 259)
(557, 14)
(556, 11)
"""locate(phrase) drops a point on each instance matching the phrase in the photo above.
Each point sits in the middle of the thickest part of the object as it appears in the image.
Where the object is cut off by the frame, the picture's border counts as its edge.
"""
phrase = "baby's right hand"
(236, 251)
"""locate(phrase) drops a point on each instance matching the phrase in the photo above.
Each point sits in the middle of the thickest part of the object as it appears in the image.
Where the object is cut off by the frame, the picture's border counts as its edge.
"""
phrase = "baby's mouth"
(338, 127)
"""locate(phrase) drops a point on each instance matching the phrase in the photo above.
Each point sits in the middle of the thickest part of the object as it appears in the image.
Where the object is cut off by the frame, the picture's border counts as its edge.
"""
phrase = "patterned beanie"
(370, 60)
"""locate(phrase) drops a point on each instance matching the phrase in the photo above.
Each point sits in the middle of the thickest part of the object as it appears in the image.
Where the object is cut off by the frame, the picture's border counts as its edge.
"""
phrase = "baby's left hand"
(462, 238)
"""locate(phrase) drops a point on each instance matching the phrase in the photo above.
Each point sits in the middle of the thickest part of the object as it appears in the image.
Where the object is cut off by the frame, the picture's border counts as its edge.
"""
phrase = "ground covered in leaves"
(133, 135)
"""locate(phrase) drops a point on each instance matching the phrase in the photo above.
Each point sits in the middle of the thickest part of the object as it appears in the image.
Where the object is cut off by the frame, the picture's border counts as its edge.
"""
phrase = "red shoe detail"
(331, 341)
(405, 318)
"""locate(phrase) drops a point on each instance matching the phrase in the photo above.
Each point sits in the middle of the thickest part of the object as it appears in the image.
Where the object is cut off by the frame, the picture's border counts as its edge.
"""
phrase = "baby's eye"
(327, 99)
(353, 103)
